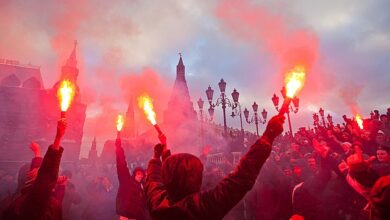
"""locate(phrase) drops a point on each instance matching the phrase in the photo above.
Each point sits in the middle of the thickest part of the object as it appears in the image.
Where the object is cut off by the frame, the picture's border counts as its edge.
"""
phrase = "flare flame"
(145, 103)
(65, 94)
(120, 121)
(295, 79)
(359, 121)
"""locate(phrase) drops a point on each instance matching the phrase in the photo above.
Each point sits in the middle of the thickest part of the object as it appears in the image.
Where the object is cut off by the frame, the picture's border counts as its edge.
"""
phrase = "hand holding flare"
(65, 94)
(294, 80)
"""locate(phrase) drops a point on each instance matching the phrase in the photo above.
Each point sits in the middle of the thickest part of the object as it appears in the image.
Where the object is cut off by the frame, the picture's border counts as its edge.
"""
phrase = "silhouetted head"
(380, 198)
(182, 175)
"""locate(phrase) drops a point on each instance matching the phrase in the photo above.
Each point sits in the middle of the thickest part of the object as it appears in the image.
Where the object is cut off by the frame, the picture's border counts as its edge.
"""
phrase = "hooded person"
(173, 186)
(130, 199)
(380, 199)
(37, 200)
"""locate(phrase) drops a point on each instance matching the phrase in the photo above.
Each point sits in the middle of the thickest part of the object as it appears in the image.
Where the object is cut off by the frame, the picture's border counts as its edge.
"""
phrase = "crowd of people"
(331, 171)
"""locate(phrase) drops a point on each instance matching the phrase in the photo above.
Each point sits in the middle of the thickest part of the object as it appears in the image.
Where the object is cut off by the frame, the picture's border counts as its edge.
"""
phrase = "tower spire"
(70, 70)
(72, 60)
(180, 69)
(180, 101)
(92, 155)
(129, 129)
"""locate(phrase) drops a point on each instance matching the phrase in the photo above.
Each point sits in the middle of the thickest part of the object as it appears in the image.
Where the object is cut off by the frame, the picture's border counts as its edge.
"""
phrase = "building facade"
(29, 112)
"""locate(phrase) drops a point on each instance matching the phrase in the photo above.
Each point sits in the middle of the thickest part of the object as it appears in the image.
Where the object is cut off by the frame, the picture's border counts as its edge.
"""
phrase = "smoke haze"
(130, 46)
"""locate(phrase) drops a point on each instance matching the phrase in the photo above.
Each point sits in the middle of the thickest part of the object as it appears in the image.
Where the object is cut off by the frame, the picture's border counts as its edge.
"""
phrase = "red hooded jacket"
(172, 188)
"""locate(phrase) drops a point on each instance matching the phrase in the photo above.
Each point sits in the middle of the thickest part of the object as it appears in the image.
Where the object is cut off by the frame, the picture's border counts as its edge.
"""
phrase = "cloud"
(248, 43)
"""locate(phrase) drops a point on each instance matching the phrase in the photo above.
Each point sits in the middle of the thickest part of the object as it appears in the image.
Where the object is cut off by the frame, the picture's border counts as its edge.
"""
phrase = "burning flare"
(65, 94)
(359, 121)
(145, 103)
(119, 122)
(294, 81)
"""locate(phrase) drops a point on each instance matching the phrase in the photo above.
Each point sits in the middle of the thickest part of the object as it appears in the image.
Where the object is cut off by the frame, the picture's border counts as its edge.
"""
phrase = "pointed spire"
(180, 101)
(92, 155)
(93, 147)
(180, 69)
(129, 129)
(130, 108)
(72, 60)
(180, 61)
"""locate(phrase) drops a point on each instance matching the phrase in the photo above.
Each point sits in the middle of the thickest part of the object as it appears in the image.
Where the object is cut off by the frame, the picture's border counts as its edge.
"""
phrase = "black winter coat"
(130, 199)
(38, 202)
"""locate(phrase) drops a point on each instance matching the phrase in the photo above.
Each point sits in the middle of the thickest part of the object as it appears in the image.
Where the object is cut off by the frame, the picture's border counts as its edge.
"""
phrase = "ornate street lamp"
(291, 108)
(316, 120)
(200, 103)
(255, 118)
(201, 114)
(322, 114)
(237, 109)
(221, 100)
(204, 118)
(330, 120)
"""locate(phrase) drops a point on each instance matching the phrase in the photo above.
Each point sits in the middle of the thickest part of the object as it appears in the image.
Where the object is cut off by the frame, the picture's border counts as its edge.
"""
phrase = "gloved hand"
(158, 150)
(274, 127)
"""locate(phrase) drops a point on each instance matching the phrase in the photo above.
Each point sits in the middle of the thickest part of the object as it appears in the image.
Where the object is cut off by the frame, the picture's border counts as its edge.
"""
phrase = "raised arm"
(37, 160)
(217, 202)
(121, 164)
(154, 187)
(38, 198)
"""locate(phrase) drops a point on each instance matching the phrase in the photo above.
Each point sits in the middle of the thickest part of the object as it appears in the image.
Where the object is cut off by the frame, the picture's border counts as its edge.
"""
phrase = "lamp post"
(200, 105)
(316, 120)
(330, 120)
(204, 118)
(221, 100)
(237, 109)
(291, 108)
(255, 118)
(322, 114)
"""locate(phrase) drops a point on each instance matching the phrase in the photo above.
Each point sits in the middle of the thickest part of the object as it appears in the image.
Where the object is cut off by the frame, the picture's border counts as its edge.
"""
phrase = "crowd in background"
(325, 172)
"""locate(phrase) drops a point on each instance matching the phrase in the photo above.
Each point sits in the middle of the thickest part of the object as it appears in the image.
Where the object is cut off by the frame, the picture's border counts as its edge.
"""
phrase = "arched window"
(11, 81)
(32, 83)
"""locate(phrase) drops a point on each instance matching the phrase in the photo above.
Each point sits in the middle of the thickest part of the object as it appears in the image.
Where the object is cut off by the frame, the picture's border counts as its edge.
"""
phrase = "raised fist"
(158, 150)
(163, 139)
(274, 127)
(35, 148)
(61, 127)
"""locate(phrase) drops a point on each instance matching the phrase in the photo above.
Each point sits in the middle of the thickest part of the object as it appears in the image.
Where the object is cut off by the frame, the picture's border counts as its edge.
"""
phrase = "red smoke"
(288, 45)
(66, 23)
(132, 85)
(146, 82)
(349, 94)
(287, 42)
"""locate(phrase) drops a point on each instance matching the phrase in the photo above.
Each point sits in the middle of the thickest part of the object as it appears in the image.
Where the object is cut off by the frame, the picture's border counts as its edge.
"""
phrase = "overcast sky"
(346, 45)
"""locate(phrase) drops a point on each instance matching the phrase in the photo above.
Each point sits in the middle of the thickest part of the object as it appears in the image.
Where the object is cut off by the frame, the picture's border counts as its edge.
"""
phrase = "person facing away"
(130, 199)
(37, 200)
(173, 181)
